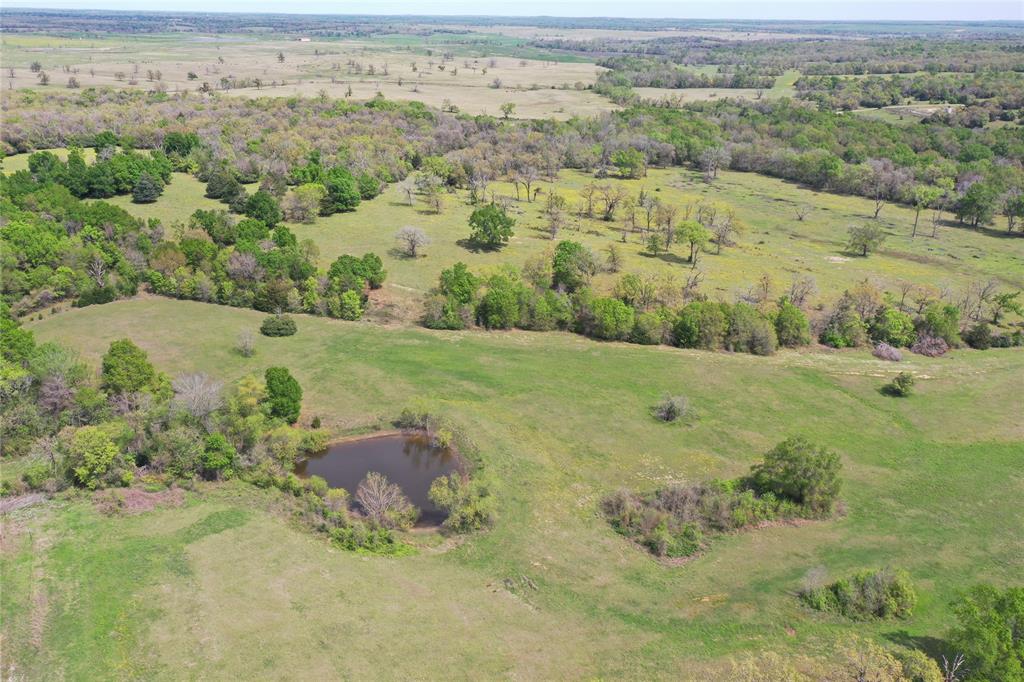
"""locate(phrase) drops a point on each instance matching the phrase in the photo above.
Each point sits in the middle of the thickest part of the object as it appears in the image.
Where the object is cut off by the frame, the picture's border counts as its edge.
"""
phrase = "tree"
(263, 206)
(468, 505)
(864, 239)
(506, 109)
(791, 325)
(977, 205)
(412, 238)
(893, 327)
(146, 190)
(342, 191)
(901, 385)
(701, 324)
(218, 455)
(989, 633)
(284, 395)
(610, 319)
(126, 368)
(458, 283)
(1005, 302)
(491, 226)
(799, 471)
(384, 502)
(278, 325)
(93, 459)
(630, 162)
(695, 235)
(572, 266)
(924, 196)
(198, 395)
(303, 204)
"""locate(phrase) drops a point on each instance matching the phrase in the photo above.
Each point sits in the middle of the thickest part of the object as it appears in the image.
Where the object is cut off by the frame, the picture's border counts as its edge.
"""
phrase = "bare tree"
(724, 227)
(198, 395)
(383, 502)
(246, 343)
(412, 238)
(97, 269)
(800, 289)
(612, 196)
(802, 211)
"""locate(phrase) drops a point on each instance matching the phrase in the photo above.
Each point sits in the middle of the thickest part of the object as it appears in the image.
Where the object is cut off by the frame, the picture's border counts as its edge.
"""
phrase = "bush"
(651, 329)
(499, 307)
(979, 336)
(284, 395)
(901, 386)
(844, 328)
(799, 471)
(671, 408)
(942, 321)
(278, 325)
(147, 189)
(701, 324)
(36, 475)
(791, 325)
(749, 331)
(884, 351)
(893, 327)
(218, 455)
(609, 319)
(468, 505)
(92, 459)
(885, 593)
(929, 346)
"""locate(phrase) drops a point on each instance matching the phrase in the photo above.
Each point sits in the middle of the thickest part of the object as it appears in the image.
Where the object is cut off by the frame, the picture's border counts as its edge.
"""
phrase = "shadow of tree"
(477, 247)
(933, 646)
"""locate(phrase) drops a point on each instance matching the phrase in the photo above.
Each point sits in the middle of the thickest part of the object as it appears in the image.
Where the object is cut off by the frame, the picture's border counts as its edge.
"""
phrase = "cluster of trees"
(796, 479)
(60, 248)
(349, 151)
(659, 73)
(919, 319)
(113, 173)
(1006, 89)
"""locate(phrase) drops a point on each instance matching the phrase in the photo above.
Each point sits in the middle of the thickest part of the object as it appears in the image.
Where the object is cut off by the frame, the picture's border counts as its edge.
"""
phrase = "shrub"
(671, 408)
(918, 667)
(844, 328)
(885, 593)
(929, 346)
(791, 325)
(218, 455)
(468, 505)
(263, 206)
(942, 321)
(901, 385)
(350, 306)
(96, 296)
(278, 325)
(284, 395)
(893, 327)
(245, 344)
(749, 331)
(799, 471)
(36, 475)
(146, 189)
(701, 324)
(441, 312)
(92, 459)
(884, 351)
(651, 329)
(499, 307)
(979, 336)
(609, 319)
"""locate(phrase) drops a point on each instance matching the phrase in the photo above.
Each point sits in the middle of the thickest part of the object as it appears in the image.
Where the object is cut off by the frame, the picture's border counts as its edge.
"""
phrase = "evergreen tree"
(146, 190)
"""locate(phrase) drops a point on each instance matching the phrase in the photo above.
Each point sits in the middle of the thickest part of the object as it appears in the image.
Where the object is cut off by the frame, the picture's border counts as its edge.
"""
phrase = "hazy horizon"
(783, 10)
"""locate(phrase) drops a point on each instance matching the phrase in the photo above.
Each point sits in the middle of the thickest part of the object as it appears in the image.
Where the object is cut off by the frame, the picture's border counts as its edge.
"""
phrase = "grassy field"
(404, 67)
(222, 588)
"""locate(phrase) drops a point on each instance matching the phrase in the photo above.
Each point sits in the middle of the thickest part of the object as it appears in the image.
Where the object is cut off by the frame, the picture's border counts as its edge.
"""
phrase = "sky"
(923, 10)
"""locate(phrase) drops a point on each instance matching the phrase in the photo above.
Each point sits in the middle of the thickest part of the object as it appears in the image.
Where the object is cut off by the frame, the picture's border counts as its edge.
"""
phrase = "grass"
(228, 590)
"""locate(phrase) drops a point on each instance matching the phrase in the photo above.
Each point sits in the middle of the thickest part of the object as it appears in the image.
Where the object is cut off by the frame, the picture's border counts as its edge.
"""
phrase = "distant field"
(229, 591)
(541, 84)
(783, 88)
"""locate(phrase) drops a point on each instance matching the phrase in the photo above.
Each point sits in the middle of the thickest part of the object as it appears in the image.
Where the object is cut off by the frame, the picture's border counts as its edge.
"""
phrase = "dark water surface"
(410, 461)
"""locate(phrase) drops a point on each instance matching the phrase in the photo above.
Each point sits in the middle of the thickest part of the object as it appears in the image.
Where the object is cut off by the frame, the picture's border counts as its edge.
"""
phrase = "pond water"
(408, 460)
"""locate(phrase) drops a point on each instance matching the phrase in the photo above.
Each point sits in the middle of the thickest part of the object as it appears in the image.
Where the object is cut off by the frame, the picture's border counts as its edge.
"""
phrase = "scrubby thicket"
(133, 424)
(885, 593)
(796, 480)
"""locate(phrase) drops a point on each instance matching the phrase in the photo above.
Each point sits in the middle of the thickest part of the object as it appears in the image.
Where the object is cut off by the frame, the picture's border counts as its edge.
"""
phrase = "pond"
(411, 461)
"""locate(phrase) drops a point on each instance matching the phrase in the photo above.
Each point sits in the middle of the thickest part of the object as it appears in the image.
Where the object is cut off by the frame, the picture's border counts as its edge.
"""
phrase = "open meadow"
(551, 591)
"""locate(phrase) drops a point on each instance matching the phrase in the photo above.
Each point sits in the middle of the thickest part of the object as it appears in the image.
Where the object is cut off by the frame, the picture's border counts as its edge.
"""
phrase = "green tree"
(989, 633)
(126, 368)
(572, 266)
(978, 204)
(695, 235)
(284, 395)
(630, 162)
(342, 191)
(610, 319)
(799, 471)
(863, 239)
(459, 284)
(893, 327)
(924, 196)
(146, 190)
(93, 459)
(701, 324)
(263, 206)
(942, 320)
(218, 455)
(490, 226)
(791, 325)
(499, 306)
